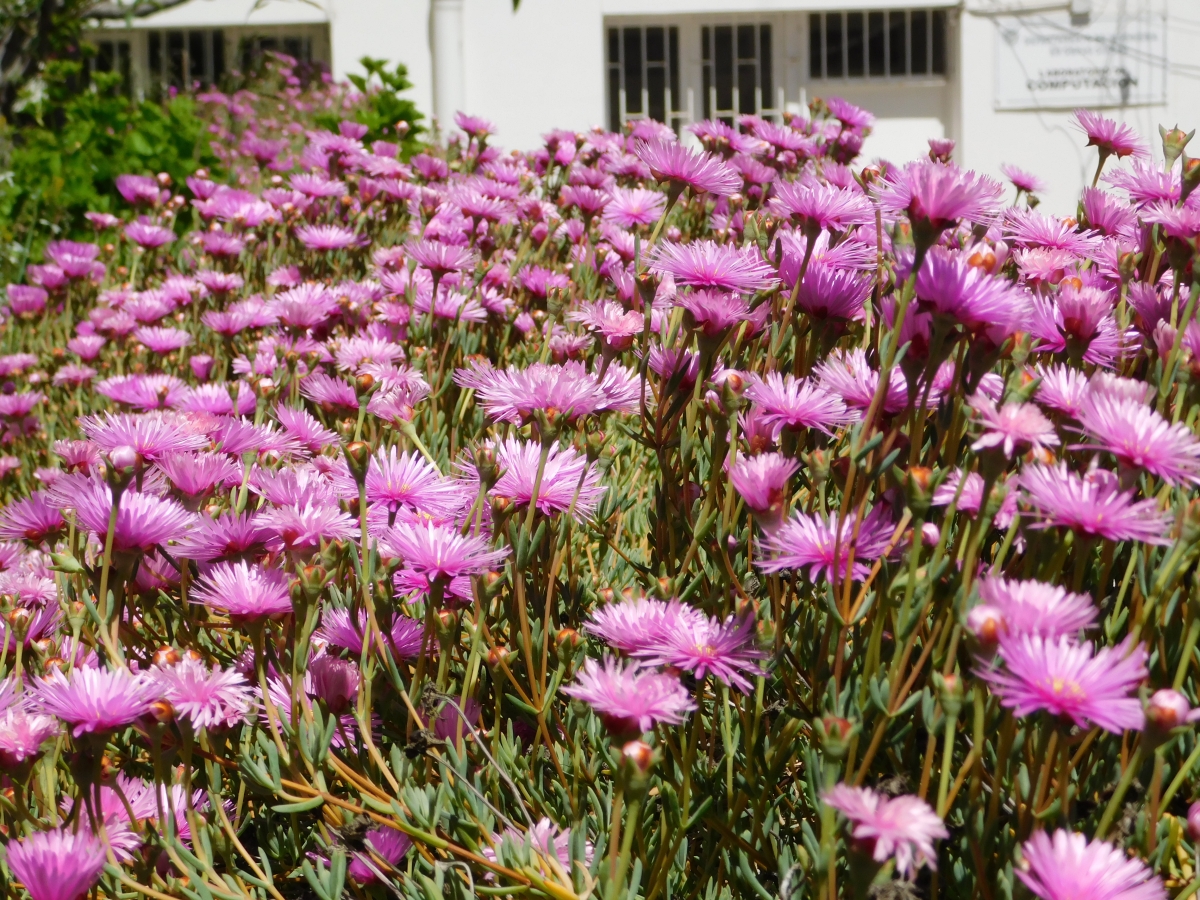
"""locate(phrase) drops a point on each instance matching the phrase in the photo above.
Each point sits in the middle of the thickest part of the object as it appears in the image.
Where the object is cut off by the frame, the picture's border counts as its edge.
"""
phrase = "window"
(179, 59)
(643, 75)
(298, 47)
(738, 71)
(896, 43)
(114, 56)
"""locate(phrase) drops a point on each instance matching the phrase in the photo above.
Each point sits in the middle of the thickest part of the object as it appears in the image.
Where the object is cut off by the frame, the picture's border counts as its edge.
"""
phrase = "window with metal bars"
(738, 71)
(643, 75)
(895, 43)
(179, 59)
(115, 56)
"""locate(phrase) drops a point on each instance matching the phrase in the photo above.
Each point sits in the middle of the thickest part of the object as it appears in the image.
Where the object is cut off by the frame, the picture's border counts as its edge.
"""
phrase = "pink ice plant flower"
(93, 700)
(1090, 688)
(1012, 426)
(1067, 866)
(1010, 608)
(630, 699)
(901, 828)
(816, 543)
(64, 864)
(705, 646)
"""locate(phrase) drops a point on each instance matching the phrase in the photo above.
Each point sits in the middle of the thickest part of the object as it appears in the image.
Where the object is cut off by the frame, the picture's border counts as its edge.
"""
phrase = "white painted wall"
(1048, 143)
(543, 67)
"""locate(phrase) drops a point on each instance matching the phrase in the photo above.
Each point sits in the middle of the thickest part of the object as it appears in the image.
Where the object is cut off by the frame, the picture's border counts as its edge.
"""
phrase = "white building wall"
(544, 66)
(1047, 142)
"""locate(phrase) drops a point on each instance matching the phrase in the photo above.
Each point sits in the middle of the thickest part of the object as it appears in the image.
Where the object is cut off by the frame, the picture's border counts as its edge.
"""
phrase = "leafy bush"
(56, 171)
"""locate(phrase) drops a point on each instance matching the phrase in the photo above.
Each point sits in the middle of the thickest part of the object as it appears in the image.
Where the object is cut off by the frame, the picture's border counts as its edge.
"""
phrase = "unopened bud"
(834, 734)
(568, 640)
(18, 621)
(358, 458)
(364, 383)
(1166, 709)
(1190, 178)
(1173, 144)
(166, 656)
(498, 656)
(1193, 821)
(162, 711)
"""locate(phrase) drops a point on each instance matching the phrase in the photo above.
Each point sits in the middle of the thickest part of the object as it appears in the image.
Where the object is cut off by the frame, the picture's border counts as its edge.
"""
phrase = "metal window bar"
(877, 44)
(643, 75)
(738, 71)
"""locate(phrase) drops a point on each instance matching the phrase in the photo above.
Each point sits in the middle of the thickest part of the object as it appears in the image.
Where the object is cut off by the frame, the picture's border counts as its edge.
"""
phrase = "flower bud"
(949, 692)
(162, 711)
(486, 465)
(358, 458)
(1173, 144)
(1166, 709)
(123, 457)
(834, 734)
(364, 384)
(166, 656)
(986, 623)
(18, 621)
(446, 624)
(312, 582)
(498, 656)
(1193, 822)
(567, 641)
(1190, 178)
(637, 760)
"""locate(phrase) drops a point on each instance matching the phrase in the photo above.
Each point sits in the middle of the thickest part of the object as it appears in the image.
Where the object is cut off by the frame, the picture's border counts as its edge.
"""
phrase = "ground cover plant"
(613, 519)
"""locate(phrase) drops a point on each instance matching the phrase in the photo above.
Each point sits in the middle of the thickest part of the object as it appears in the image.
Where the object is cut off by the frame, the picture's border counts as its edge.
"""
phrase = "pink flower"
(707, 264)
(1067, 866)
(151, 436)
(440, 551)
(407, 479)
(1110, 137)
(148, 236)
(762, 482)
(1009, 609)
(1022, 180)
(630, 699)
(1140, 438)
(216, 698)
(569, 482)
(936, 195)
(245, 592)
(631, 207)
(1093, 505)
(1011, 426)
(671, 162)
(810, 541)
(900, 828)
(63, 864)
(707, 646)
(813, 206)
(796, 404)
(830, 293)
(387, 843)
(1057, 676)
(326, 237)
(639, 623)
(95, 700)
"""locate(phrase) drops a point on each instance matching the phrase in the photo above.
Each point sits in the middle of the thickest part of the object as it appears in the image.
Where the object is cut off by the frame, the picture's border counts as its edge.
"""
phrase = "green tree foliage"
(54, 172)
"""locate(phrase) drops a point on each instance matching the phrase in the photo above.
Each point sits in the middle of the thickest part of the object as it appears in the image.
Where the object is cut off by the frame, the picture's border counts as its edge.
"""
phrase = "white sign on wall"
(1045, 61)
